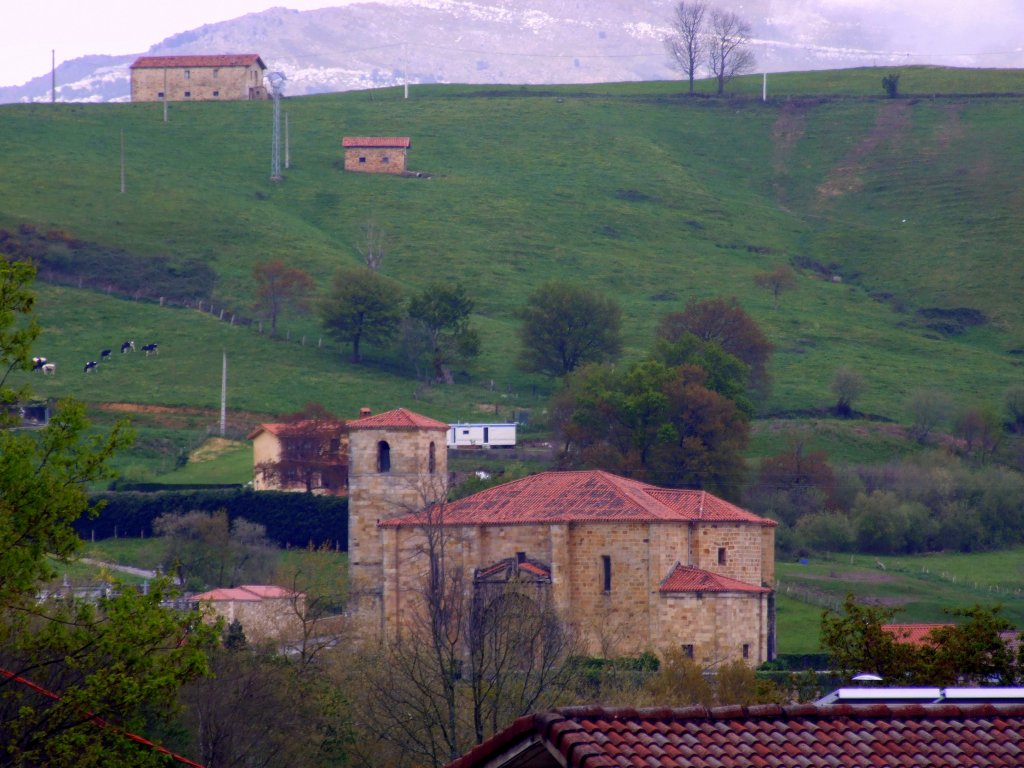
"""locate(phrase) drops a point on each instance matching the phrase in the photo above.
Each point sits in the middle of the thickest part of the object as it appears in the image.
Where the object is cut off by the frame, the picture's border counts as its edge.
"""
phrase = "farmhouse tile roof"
(250, 593)
(684, 578)
(914, 634)
(399, 418)
(300, 428)
(584, 496)
(764, 736)
(218, 60)
(400, 142)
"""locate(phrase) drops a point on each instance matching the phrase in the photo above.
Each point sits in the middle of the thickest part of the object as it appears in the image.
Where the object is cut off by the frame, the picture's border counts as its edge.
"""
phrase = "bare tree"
(778, 280)
(375, 245)
(847, 386)
(687, 43)
(280, 287)
(728, 44)
(463, 663)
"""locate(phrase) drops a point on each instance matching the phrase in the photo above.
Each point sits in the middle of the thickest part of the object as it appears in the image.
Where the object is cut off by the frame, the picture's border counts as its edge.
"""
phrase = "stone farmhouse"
(878, 735)
(630, 565)
(308, 456)
(375, 154)
(226, 77)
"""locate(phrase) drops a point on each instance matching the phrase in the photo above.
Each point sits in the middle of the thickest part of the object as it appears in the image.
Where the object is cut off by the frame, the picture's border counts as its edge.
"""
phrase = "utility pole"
(276, 82)
(165, 94)
(224, 395)
(764, 88)
(122, 161)
(287, 160)
(53, 75)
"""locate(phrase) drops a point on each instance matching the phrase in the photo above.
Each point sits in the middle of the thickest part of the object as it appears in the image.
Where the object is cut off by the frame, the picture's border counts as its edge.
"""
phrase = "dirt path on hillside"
(789, 127)
(891, 123)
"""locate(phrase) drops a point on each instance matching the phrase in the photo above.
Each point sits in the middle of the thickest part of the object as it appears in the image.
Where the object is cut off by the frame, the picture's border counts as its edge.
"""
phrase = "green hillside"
(901, 215)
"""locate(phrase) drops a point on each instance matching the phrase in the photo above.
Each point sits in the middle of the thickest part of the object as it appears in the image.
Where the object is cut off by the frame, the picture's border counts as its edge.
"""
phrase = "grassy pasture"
(633, 189)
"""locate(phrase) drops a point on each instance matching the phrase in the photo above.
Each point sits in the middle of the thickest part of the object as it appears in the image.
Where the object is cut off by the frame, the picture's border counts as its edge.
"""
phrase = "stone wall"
(269, 619)
(716, 625)
(375, 159)
(197, 83)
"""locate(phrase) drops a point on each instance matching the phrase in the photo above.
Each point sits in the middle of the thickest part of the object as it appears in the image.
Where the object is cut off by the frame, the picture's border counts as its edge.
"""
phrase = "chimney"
(364, 412)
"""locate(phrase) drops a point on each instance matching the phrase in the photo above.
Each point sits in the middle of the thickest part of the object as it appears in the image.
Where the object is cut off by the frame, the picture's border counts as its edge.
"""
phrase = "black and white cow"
(38, 363)
(90, 366)
(104, 354)
(150, 348)
(128, 346)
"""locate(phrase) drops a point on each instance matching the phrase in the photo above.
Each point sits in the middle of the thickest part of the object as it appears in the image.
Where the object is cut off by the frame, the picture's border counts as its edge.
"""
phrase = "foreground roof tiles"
(684, 578)
(399, 418)
(593, 495)
(216, 60)
(766, 736)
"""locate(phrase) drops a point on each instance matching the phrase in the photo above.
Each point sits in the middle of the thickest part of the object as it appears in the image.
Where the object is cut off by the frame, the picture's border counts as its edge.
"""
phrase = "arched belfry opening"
(383, 456)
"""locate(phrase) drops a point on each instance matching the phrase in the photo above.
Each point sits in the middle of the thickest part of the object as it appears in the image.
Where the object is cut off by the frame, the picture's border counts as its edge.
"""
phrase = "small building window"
(188, 94)
(160, 94)
(216, 94)
(432, 459)
(721, 555)
(688, 650)
(216, 72)
(383, 456)
(606, 573)
(746, 650)
(362, 159)
(188, 75)
(385, 159)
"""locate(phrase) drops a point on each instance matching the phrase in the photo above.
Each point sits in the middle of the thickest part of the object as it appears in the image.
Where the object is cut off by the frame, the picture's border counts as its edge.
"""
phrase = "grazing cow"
(150, 348)
(49, 369)
(128, 346)
(104, 355)
(38, 362)
(90, 366)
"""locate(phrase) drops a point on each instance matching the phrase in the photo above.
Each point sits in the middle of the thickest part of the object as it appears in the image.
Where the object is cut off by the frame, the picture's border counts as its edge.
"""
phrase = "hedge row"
(291, 519)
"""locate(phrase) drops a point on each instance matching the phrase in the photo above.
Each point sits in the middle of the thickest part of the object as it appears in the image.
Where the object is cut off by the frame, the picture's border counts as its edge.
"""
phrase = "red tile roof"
(914, 634)
(250, 593)
(376, 141)
(218, 60)
(592, 495)
(765, 736)
(399, 418)
(684, 578)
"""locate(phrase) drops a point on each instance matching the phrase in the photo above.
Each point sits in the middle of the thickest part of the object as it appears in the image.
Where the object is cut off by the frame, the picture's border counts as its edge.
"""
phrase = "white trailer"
(482, 436)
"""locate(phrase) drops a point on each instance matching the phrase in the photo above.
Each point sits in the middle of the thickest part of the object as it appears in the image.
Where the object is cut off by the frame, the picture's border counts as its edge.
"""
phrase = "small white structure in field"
(482, 436)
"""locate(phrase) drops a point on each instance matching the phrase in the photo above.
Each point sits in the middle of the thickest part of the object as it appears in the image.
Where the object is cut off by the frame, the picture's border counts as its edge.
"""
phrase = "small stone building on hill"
(630, 565)
(375, 154)
(223, 77)
(266, 612)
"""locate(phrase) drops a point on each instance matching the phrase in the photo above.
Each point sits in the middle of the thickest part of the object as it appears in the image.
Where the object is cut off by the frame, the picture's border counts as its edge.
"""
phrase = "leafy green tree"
(795, 483)
(438, 330)
(280, 287)
(1014, 407)
(847, 386)
(891, 84)
(109, 665)
(361, 306)
(565, 326)
(653, 422)
(724, 373)
(857, 643)
(727, 324)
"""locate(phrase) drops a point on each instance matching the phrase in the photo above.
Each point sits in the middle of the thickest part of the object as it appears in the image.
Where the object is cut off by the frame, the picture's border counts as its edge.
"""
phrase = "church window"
(432, 459)
(606, 573)
(688, 650)
(721, 555)
(383, 456)
(746, 650)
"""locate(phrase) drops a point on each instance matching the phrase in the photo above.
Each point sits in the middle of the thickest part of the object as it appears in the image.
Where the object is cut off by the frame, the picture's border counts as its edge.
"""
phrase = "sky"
(74, 28)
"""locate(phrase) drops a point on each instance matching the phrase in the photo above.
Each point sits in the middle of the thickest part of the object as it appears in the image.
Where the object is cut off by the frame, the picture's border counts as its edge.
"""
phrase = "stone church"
(630, 566)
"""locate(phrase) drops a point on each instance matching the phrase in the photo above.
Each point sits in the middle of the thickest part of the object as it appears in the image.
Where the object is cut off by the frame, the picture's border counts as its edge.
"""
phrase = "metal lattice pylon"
(276, 82)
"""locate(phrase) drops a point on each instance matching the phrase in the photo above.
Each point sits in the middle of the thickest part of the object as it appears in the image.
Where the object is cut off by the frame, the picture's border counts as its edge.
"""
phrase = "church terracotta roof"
(215, 60)
(764, 736)
(399, 418)
(684, 578)
(376, 141)
(591, 495)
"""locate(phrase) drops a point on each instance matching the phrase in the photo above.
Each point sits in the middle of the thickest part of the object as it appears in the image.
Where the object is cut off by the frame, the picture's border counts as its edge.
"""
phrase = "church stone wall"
(716, 626)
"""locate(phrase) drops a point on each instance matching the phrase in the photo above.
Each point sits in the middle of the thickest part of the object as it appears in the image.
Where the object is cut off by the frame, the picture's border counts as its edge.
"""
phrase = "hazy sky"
(79, 27)
(76, 28)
